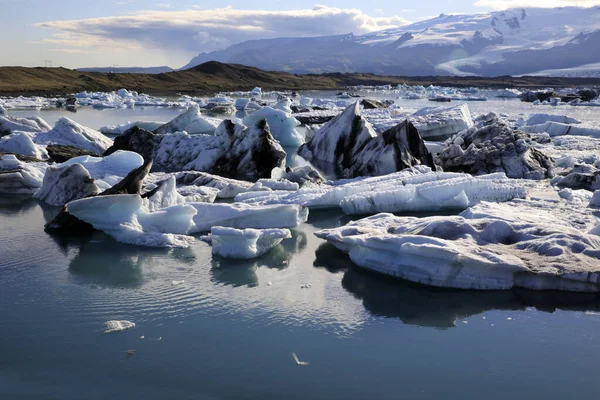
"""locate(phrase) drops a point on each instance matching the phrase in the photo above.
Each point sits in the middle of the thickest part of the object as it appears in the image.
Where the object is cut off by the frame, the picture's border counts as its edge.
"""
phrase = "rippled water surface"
(228, 332)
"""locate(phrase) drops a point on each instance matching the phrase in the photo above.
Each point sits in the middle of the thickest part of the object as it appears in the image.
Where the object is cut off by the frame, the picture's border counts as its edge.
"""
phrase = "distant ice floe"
(244, 243)
(488, 247)
(119, 326)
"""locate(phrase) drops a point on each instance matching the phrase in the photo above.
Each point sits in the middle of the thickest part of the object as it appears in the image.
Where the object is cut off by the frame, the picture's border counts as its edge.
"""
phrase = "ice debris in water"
(246, 243)
(177, 283)
(118, 326)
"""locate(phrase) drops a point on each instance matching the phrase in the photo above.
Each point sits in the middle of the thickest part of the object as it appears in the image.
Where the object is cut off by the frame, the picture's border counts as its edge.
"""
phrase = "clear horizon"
(132, 33)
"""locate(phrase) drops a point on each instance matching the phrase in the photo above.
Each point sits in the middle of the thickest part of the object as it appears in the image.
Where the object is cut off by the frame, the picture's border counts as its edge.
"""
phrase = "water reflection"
(17, 203)
(435, 307)
(239, 273)
(104, 262)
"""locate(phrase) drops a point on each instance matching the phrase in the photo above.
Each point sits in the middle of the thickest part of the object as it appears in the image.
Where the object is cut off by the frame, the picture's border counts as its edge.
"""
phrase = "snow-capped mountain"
(512, 42)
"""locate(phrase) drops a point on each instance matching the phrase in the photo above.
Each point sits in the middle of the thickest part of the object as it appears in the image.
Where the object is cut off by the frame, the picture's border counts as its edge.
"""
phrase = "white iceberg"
(282, 125)
(441, 121)
(121, 129)
(191, 121)
(63, 184)
(560, 129)
(110, 170)
(18, 177)
(119, 326)
(539, 119)
(493, 247)
(70, 133)
(21, 143)
(125, 218)
(242, 216)
(244, 243)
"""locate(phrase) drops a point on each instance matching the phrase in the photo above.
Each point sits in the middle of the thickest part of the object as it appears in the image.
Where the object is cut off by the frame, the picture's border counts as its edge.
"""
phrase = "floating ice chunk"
(246, 243)
(496, 252)
(109, 170)
(495, 147)
(166, 195)
(66, 183)
(19, 124)
(234, 151)
(177, 283)
(241, 104)
(191, 122)
(125, 218)
(284, 105)
(282, 125)
(242, 216)
(445, 194)
(21, 143)
(350, 143)
(18, 177)
(119, 326)
(121, 129)
(68, 132)
(559, 129)
(442, 121)
(539, 119)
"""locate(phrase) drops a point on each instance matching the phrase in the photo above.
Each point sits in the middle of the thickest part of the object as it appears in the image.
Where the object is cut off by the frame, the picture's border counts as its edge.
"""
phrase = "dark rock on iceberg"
(496, 147)
(61, 153)
(352, 146)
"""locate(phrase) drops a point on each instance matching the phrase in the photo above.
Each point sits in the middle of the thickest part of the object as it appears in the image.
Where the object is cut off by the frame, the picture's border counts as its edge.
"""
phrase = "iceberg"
(234, 151)
(21, 143)
(118, 326)
(350, 143)
(17, 177)
(70, 133)
(494, 147)
(244, 243)
(121, 129)
(561, 129)
(281, 124)
(242, 216)
(437, 122)
(444, 194)
(166, 195)
(583, 176)
(63, 184)
(125, 218)
(110, 170)
(191, 121)
(9, 124)
(488, 247)
(539, 119)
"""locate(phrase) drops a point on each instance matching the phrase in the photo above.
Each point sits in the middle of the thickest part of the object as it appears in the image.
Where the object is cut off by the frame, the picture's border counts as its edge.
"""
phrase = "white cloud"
(504, 4)
(205, 30)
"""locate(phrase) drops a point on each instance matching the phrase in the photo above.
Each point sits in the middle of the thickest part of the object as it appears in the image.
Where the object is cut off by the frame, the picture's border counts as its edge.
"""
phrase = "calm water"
(227, 334)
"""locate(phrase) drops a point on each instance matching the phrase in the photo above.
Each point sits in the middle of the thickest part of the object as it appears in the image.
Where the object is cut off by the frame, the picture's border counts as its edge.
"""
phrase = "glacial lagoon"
(229, 330)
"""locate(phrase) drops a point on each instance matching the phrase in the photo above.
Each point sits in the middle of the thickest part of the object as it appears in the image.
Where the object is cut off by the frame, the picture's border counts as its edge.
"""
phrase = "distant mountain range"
(558, 41)
(129, 70)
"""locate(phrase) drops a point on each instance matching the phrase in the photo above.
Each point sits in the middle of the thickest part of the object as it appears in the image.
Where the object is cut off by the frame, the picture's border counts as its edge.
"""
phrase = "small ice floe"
(142, 337)
(269, 283)
(306, 285)
(130, 353)
(118, 326)
(298, 362)
(509, 319)
(177, 283)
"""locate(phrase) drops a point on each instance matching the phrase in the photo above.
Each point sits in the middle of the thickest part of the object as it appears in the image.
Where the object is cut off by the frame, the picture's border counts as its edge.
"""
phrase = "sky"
(102, 33)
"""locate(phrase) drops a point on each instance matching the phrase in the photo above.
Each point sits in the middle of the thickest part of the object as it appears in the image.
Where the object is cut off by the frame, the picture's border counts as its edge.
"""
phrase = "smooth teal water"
(227, 334)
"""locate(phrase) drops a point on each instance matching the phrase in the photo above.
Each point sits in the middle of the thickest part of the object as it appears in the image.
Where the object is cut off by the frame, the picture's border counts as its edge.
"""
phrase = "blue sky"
(78, 33)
